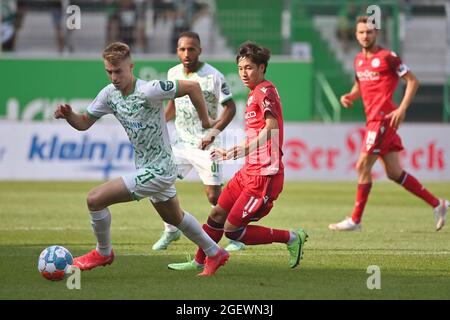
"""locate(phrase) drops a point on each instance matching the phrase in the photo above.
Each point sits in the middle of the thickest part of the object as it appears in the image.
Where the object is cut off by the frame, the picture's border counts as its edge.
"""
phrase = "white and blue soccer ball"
(54, 263)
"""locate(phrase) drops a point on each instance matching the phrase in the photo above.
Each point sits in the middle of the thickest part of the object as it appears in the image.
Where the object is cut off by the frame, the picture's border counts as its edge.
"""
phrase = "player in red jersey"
(377, 73)
(250, 194)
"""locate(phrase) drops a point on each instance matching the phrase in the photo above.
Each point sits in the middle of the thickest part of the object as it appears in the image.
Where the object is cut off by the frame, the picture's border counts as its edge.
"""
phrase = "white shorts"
(186, 158)
(143, 183)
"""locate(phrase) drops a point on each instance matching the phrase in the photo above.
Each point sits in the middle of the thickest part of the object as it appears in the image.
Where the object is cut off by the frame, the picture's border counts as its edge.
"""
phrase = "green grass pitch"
(398, 236)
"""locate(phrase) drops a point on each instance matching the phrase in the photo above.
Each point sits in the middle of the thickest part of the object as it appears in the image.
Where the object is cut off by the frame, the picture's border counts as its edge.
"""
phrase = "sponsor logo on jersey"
(250, 114)
(263, 89)
(133, 124)
(368, 75)
(166, 85)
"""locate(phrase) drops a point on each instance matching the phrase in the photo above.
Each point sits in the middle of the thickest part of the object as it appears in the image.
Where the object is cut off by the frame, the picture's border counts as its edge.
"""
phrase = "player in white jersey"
(192, 140)
(138, 107)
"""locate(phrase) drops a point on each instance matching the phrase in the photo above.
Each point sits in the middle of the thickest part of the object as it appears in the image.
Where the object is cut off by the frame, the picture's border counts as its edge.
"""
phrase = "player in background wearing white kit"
(192, 141)
(137, 105)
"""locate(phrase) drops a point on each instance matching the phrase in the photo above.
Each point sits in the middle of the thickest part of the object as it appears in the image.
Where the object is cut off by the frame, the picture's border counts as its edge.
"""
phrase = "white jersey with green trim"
(215, 91)
(142, 115)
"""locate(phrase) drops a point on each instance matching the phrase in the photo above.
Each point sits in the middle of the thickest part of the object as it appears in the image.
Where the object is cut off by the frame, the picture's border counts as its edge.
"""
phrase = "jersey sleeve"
(270, 103)
(396, 64)
(225, 93)
(99, 107)
(158, 90)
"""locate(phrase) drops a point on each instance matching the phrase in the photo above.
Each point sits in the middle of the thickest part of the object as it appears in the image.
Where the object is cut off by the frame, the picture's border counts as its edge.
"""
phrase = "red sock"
(414, 186)
(263, 235)
(362, 194)
(215, 231)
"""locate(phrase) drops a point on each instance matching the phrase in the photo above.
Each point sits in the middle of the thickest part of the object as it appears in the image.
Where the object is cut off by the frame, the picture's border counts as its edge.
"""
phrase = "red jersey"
(266, 159)
(377, 77)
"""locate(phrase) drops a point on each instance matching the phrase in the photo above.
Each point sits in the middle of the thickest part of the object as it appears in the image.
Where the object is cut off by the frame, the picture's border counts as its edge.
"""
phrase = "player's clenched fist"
(63, 111)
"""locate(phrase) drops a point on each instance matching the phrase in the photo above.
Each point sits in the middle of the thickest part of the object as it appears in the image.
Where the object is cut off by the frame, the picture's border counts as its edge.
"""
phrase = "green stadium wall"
(31, 89)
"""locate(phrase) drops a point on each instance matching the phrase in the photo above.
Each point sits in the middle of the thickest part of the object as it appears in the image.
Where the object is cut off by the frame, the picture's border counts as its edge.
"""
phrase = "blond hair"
(116, 52)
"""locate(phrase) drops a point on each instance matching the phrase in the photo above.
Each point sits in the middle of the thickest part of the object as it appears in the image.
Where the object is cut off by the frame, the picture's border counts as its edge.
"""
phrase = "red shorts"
(380, 138)
(248, 198)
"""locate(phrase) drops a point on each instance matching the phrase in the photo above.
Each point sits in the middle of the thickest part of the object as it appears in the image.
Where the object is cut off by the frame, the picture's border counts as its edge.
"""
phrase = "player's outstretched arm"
(244, 148)
(229, 110)
(348, 98)
(193, 90)
(218, 154)
(397, 116)
(80, 122)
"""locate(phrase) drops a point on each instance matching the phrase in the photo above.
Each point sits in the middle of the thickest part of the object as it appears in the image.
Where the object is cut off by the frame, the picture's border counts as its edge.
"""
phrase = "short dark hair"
(256, 53)
(190, 34)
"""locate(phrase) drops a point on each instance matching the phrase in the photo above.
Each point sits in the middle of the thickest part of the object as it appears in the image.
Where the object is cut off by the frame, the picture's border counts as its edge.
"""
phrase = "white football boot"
(345, 225)
(440, 213)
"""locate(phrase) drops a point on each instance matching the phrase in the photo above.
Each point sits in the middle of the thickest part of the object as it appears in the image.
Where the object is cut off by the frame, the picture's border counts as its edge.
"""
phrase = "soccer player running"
(250, 194)
(192, 141)
(377, 73)
(137, 105)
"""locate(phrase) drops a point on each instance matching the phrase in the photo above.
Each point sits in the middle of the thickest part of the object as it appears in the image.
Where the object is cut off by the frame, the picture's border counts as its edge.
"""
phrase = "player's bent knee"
(218, 215)
(93, 201)
(390, 175)
(394, 176)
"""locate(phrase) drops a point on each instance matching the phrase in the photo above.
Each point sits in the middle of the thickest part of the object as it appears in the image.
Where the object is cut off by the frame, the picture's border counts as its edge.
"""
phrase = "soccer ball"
(54, 262)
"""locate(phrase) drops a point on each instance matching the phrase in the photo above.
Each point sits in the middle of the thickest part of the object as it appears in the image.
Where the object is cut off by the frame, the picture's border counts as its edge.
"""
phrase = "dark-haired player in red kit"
(377, 73)
(250, 194)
